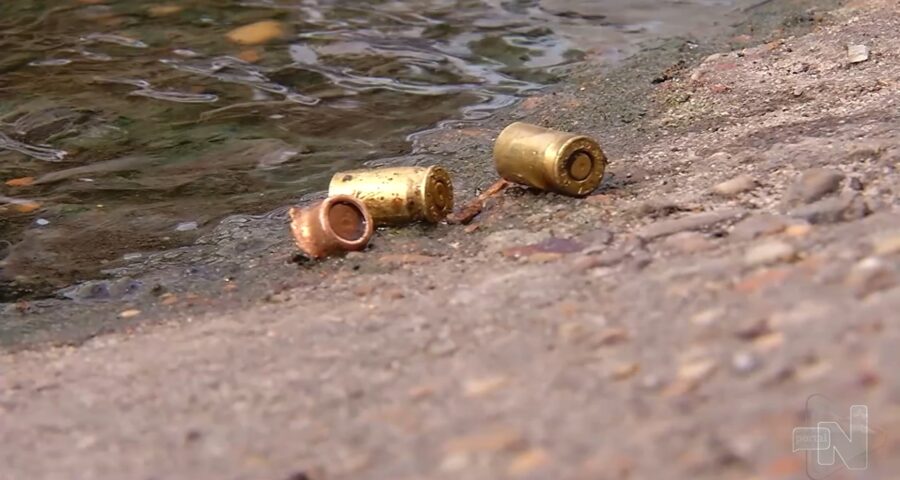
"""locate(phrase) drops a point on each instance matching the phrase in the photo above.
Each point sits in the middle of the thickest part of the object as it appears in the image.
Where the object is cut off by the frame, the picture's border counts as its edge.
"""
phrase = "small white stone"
(744, 362)
(857, 53)
(185, 53)
(870, 263)
(186, 226)
(770, 252)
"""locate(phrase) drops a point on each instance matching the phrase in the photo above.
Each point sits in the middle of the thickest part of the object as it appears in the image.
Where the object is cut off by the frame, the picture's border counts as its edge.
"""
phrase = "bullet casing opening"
(549, 160)
(335, 225)
(398, 195)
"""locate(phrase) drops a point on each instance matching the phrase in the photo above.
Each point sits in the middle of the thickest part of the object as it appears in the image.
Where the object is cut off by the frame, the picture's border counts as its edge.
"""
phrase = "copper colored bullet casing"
(335, 225)
(549, 160)
(398, 195)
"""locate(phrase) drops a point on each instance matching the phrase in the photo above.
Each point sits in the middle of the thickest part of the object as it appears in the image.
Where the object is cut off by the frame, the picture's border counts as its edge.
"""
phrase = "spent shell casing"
(549, 160)
(335, 225)
(398, 195)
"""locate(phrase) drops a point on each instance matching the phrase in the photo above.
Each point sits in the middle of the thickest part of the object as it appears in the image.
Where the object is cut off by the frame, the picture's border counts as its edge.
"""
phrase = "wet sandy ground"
(742, 256)
(129, 127)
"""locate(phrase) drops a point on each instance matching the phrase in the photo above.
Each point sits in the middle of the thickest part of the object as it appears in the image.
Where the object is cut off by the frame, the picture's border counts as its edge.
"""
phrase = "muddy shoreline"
(250, 257)
(742, 257)
(145, 171)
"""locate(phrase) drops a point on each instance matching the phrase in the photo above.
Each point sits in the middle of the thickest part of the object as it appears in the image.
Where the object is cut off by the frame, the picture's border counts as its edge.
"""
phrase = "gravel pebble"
(872, 275)
(833, 210)
(689, 242)
(857, 53)
(745, 362)
(735, 186)
(813, 185)
(887, 243)
(696, 221)
(769, 253)
(758, 226)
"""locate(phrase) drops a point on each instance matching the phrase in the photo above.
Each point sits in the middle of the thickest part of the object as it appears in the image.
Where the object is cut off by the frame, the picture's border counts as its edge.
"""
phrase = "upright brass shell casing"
(397, 195)
(549, 160)
(335, 225)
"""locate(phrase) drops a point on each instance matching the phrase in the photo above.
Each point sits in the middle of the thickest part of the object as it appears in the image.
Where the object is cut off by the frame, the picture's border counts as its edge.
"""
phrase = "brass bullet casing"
(549, 160)
(331, 226)
(398, 195)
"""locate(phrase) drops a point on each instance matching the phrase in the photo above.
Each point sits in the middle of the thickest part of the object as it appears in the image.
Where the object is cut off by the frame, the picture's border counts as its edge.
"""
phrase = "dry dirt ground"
(742, 255)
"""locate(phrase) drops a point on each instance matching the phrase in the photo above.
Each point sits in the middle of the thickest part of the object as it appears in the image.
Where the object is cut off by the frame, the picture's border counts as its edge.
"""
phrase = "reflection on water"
(121, 122)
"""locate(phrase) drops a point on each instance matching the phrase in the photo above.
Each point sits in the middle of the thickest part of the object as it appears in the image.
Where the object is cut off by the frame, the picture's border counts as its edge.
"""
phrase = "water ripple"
(114, 39)
(179, 97)
(232, 70)
(46, 154)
